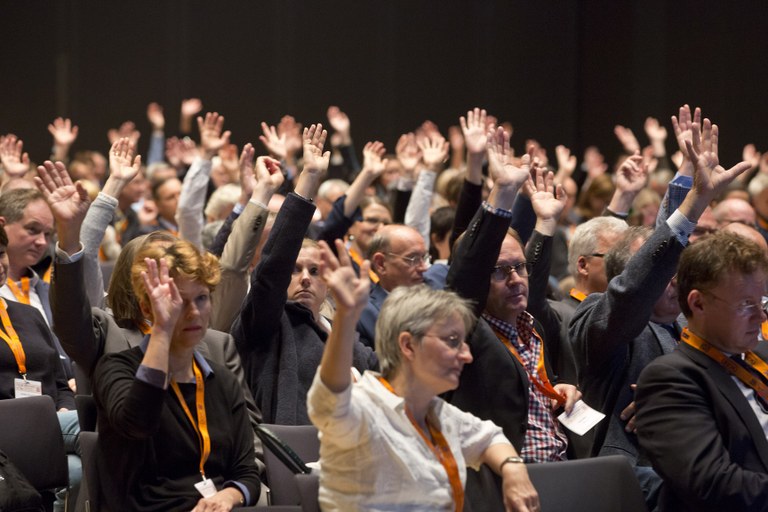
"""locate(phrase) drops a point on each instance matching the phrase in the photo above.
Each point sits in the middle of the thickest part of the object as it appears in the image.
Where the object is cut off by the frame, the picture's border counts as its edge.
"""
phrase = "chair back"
(89, 485)
(598, 484)
(30, 434)
(309, 487)
(302, 439)
(86, 412)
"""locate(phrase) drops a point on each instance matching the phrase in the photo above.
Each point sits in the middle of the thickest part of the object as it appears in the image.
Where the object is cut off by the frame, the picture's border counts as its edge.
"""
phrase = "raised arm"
(72, 320)
(474, 129)
(246, 233)
(477, 251)
(189, 214)
(350, 294)
(157, 139)
(64, 134)
(434, 153)
(630, 180)
(266, 299)
(13, 158)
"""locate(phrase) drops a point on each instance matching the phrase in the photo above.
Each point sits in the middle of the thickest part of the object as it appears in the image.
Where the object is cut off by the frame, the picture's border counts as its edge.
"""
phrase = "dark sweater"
(148, 453)
(42, 359)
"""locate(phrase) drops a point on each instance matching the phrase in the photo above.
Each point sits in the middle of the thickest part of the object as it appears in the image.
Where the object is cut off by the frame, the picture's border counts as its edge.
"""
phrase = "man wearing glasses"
(702, 413)
(399, 258)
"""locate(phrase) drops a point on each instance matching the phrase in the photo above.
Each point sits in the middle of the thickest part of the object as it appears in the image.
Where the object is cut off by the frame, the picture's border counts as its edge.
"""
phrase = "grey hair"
(616, 259)
(414, 309)
(584, 240)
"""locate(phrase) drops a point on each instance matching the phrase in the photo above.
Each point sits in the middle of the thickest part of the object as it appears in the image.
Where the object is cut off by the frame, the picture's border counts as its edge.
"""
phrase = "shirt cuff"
(152, 376)
(240, 487)
(238, 208)
(680, 226)
(501, 212)
(63, 257)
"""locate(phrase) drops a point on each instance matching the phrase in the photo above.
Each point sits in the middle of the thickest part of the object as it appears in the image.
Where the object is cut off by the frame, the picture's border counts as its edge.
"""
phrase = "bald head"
(747, 232)
(734, 210)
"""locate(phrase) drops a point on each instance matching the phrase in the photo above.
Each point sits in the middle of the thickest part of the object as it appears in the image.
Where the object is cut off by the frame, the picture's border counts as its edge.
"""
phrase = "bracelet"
(610, 213)
(511, 460)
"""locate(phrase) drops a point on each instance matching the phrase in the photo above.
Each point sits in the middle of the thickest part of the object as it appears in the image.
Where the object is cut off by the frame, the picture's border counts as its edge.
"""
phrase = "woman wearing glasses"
(388, 441)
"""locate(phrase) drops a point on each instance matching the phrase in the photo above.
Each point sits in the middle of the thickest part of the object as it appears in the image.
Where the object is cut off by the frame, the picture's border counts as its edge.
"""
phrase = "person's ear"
(695, 302)
(377, 262)
(581, 266)
(407, 343)
(2, 221)
(146, 310)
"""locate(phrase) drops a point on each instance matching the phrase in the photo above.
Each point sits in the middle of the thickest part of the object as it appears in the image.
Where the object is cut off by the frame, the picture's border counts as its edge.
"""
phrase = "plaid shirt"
(544, 440)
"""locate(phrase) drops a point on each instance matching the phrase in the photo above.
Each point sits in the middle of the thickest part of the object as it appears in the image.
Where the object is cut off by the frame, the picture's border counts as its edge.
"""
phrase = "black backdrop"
(562, 71)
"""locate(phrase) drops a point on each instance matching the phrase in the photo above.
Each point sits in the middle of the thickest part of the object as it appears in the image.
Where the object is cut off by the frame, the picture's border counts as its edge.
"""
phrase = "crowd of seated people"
(427, 309)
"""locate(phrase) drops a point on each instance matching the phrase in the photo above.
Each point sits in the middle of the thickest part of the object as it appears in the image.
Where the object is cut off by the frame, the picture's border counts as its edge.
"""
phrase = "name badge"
(206, 488)
(24, 388)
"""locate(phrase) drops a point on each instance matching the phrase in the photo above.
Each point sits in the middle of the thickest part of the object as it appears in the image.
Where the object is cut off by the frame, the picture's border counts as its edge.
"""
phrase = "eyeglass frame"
(413, 261)
(743, 310)
(509, 268)
(453, 341)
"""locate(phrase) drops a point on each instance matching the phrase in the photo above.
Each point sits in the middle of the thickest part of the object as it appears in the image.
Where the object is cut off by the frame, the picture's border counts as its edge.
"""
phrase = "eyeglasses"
(376, 220)
(745, 308)
(412, 261)
(502, 272)
(453, 341)
(594, 255)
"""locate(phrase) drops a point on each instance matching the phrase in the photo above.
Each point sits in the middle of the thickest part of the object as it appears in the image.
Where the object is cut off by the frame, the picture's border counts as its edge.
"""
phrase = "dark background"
(562, 71)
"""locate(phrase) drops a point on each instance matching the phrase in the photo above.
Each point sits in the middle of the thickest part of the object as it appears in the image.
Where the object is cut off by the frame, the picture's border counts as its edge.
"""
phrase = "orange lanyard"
(359, 261)
(576, 294)
(732, 366)
(201, 426)
(21, 294)
(439, 447)
(764, 330)
(540, 379)
(12, 339)
(47, 275)
(145, 327)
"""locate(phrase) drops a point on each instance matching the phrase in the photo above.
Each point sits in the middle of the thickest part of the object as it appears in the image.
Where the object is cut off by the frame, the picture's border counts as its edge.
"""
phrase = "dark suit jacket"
(701, 435)
(614, 340)
(495, 385)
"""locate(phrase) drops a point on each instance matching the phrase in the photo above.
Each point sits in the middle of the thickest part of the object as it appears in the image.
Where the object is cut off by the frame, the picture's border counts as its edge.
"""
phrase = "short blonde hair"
(414, 309)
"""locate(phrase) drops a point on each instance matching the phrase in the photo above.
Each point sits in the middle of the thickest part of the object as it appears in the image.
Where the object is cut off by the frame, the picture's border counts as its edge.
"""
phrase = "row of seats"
(30, 435)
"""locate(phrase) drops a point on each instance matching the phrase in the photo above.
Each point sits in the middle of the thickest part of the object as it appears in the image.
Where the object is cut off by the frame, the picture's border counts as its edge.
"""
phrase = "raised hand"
(261, 182)
(566, 162)
(502, 170)
(163, 295)
(127, 129)
(314, 140)
(274, 143)
(632, 175)
(63, 131)
(752, 155)
(289, 128)
(68, 202)
(339, 121)
(191, 106)
(372, 158)
(156, 117)
(350, 290)
(408, 153)
(655, 131)
(211, 137)
(475, 132)
(709, 177)
(15, 161)
(548, 200)
(122, 164)
(683, 127)
(434, 152)
(627, 138)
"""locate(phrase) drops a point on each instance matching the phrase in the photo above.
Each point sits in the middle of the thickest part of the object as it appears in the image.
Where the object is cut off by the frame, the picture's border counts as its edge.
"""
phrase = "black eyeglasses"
(412, 261)
(594, 255)
(502, 272)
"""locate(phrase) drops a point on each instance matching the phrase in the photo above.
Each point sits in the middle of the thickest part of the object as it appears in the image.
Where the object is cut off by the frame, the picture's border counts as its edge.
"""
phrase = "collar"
(395, 402)
(201, 362)
(522, 329)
